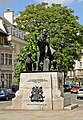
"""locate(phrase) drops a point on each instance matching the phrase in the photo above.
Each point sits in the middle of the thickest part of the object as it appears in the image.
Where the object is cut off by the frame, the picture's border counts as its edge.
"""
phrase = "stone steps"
(70, 107)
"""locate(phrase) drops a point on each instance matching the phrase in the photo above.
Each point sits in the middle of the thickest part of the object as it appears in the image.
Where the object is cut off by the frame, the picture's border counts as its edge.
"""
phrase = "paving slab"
(75, 114)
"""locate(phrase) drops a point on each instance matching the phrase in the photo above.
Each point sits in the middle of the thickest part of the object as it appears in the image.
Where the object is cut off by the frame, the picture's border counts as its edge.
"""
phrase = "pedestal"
(40, 91)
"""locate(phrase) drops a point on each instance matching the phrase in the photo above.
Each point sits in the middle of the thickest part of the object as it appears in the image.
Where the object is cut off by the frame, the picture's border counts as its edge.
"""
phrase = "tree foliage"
(65, 32)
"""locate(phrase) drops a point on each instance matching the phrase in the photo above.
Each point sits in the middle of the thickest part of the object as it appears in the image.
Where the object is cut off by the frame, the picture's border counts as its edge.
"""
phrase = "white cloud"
(63, 2)
(5, 2)
(80, 0)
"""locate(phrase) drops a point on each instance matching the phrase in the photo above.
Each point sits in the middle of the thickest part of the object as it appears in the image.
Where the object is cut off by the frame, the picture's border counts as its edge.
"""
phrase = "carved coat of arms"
(37, 94)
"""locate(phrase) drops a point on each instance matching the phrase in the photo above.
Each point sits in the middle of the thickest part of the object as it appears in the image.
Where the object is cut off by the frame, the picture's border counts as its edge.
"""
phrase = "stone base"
(70, 107)
(67, 101)
(40, 91)
(58, 104)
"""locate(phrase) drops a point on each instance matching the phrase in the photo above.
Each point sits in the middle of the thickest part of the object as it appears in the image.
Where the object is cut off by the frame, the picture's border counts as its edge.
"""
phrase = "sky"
(19, 5)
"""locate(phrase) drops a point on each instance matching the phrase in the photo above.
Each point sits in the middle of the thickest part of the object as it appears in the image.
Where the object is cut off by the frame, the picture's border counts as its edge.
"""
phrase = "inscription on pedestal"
(37, 80)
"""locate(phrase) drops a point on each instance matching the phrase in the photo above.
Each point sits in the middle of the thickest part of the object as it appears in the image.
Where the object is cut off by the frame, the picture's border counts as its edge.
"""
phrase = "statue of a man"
(44, 48)
(29, 62)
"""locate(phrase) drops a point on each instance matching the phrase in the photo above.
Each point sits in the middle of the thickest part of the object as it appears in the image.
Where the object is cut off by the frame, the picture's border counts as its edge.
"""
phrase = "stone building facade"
(11, 41)
(77, 74)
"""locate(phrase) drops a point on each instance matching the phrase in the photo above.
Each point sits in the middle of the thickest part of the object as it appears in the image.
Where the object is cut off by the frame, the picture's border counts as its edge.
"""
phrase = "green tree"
(21, 58)
(65, 32)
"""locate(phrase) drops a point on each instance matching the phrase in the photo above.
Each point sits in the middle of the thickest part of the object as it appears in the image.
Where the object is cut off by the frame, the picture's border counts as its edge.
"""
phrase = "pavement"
(75, 114)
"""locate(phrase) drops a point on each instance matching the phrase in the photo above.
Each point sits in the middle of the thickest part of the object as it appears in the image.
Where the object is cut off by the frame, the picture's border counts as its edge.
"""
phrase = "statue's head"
(29, 54)
(44, 31)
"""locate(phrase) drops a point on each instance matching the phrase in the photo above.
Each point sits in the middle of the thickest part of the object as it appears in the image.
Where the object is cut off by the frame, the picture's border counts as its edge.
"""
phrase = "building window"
(5, 41)
(6, 77)
(14, 32)
(2, 77)
(80, 64)
(74, 73)
(17, 33)
(2, 80)
(1, 40)
(70, 73)
(2, 58)
(10, 80)
(6, 59)
(11, 31)
(6, 80)
(10, 59)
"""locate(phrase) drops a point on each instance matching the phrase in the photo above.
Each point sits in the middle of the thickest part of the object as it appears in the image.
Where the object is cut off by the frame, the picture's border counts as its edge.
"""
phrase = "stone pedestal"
(40, 91)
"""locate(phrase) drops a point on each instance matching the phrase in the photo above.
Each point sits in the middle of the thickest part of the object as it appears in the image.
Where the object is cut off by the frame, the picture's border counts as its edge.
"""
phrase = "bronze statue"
(45, 59)
(44, 48)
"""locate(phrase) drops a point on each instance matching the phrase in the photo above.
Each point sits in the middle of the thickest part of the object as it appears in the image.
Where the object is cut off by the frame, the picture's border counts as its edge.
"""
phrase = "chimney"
(9, 15)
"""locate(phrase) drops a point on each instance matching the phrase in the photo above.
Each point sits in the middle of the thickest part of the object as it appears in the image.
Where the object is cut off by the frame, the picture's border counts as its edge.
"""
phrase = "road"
(74, 99)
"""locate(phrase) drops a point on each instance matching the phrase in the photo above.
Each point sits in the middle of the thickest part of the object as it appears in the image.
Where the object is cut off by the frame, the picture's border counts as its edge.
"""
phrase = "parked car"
(80, 93)
(67, 88)
(6, 94)
(74, 89)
